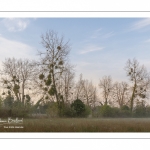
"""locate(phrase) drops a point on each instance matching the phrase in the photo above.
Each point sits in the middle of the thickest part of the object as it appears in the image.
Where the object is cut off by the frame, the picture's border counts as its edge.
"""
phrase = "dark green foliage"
(16, 88)
(41, 76)
(142, 95)
(45, 89)
(115, 112)
(87, 111)
(51, 71)
(5, 81)
(51, 65)
(14, 108)
(52, 91)
(147, 111)
(17, 80)
(139, 111)
(8, 87)
(125, 107)
(106, 111)
(3, 93)
(69, 111)
(60, 63)
(48, 82)
(14, 77)
(28, 98)
(56, 67)
(79, 107)
(49, 76)
(46, 97)
(58, 47)
(8, 102)
(61, 97)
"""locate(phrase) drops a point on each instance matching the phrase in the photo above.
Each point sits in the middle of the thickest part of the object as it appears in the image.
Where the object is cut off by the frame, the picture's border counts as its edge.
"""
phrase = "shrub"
(8, 102)
(106, 111)
(87, 111)
(139, 111)
(115, 112)
(52, 110)
(79, 107)
(148, 111)
(125, 111)
(69, 111)
(125, 107)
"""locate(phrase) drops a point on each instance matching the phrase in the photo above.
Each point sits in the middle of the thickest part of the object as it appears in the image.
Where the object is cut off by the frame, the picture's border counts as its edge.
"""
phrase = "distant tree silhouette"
(140, 80)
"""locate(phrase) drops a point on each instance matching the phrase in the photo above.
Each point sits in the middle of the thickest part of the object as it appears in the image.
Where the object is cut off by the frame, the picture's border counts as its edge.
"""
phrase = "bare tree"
(140, 80)
(78, 91)
(65, 85)
(52, 63)
(120, 93)
(85, 91)
(89, 92)
(106, 85)
(16, 77)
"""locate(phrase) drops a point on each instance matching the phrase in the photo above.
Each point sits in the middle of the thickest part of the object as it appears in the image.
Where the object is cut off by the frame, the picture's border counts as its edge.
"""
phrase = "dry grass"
(82, 125)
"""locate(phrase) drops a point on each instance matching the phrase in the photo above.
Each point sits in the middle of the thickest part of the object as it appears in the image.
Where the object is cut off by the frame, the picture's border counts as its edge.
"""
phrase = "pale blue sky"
(99, 46)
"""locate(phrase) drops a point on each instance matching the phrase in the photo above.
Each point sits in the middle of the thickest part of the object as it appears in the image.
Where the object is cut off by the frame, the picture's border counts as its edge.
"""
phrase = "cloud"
(9, 48)
(96, 33)
(15, 24)
(141, 24)
(91, 48)
(108, 35)
(147, 41)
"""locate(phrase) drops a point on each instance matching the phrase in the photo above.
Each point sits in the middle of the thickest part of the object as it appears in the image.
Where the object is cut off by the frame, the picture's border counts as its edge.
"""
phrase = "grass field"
(80, 125)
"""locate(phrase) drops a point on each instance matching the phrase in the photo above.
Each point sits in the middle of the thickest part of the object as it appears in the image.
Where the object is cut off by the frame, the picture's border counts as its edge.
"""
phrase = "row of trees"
(50, 80)
(136, 91)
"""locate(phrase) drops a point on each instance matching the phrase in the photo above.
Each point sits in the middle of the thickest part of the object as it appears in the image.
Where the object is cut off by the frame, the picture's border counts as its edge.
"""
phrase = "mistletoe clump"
(41, 76)
(16, 88)
(52, 90)
(48, 82)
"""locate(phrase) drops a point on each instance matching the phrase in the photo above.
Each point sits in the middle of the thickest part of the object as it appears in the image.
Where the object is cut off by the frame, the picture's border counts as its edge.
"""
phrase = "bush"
(125, 107)
(79, 107)
(139, 111)
(68, 111)
(106, 111)
(115, 112)
(52, 110)
(87, 111)
(125, 111)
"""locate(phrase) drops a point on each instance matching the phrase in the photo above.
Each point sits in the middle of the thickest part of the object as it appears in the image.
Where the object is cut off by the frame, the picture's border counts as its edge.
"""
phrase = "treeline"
(13, 108)
(47, 86)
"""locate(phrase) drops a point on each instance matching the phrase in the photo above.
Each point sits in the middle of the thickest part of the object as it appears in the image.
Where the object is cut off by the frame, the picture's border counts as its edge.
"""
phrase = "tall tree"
(106, 85)
(140, 80)
(89, 92)
(85, 91)
(120, 93)
(52, 63)
(79, 88)
(16, 77)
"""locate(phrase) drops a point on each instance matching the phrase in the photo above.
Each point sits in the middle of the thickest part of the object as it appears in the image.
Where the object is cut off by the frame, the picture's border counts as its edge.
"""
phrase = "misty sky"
(99, 46)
